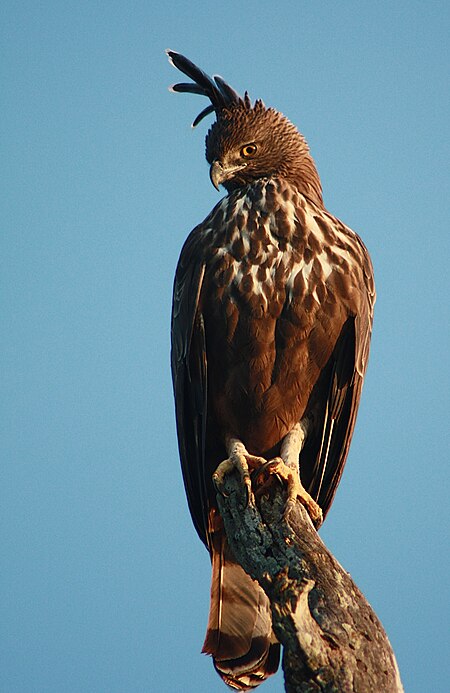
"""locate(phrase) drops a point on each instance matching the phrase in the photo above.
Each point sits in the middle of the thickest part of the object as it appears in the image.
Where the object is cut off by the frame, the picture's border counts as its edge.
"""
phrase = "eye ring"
(249, 150)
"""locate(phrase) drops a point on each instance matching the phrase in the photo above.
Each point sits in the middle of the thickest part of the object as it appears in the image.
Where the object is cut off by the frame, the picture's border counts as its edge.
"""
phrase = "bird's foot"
(243, 462)
(295, 489)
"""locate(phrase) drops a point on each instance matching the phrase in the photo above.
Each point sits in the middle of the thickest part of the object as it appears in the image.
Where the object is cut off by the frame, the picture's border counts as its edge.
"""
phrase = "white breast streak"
(289, 207)
(325, 263)
(342, 252)
(258, 283)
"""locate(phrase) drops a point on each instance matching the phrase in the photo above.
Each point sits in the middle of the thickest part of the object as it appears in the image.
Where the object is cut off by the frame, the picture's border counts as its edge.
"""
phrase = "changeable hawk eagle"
(272, 313)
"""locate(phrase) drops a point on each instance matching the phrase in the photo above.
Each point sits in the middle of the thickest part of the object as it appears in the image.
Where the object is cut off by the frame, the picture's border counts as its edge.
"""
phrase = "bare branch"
(332, 640)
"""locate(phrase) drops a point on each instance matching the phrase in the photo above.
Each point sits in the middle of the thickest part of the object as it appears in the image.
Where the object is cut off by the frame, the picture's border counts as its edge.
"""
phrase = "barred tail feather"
(239, 635)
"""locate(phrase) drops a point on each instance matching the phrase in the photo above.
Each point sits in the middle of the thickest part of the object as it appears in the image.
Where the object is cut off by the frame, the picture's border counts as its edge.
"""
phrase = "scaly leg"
(240, 459)
(287, 467)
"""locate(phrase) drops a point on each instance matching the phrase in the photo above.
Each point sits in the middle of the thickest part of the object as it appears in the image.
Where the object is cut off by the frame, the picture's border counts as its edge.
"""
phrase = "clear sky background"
(104, 583)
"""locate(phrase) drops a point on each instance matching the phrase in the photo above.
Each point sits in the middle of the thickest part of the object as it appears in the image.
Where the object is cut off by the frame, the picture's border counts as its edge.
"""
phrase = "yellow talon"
(295, 489)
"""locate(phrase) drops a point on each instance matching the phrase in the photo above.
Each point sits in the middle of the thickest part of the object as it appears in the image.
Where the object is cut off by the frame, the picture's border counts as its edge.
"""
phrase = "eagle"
(271, 321)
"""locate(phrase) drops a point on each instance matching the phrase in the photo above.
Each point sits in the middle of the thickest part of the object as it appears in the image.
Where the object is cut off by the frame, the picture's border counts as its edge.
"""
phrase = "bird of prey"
(271, 321)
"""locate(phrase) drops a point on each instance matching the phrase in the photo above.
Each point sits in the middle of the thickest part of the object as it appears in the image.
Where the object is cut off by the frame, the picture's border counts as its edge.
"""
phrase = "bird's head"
(248, 142)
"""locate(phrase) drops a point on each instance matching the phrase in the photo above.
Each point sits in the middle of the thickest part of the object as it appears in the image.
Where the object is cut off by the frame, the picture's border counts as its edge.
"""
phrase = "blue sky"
(104, 584)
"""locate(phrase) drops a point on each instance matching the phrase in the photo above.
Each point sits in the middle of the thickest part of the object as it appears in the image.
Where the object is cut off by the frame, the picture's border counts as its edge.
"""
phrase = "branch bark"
(332, 640)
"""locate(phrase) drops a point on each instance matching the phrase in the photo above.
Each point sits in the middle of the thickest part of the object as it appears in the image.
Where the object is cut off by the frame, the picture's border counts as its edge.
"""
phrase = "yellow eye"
(248, 150)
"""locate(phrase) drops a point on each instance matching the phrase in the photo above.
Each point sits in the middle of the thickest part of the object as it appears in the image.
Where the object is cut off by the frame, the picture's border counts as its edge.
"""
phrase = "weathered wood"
(332, 640)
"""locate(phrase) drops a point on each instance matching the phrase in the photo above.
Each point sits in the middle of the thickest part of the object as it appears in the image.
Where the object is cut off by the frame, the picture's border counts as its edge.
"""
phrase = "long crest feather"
(221, 94)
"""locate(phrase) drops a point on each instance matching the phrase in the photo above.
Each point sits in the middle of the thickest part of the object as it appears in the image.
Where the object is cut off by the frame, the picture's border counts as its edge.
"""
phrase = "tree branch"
(332, 640)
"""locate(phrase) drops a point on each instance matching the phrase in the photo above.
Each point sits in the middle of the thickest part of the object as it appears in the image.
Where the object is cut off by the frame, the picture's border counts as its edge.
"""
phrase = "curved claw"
(295, 489)
(219, 484)
(265, 470)
(241, 460)
(228, 466)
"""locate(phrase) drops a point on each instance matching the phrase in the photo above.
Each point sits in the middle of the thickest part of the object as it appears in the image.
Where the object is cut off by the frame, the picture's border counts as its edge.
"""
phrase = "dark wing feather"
(337, 420)
(189, 375)
(338, 391)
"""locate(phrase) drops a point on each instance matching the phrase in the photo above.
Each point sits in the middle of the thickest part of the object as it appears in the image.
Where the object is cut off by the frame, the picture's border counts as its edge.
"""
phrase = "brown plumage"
(271, 322)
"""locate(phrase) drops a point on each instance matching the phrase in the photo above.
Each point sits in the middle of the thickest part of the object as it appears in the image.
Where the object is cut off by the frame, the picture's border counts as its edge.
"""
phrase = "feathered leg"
(287, 467)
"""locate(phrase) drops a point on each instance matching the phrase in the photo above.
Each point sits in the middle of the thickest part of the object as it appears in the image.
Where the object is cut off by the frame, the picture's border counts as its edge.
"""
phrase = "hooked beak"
(219, 173)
